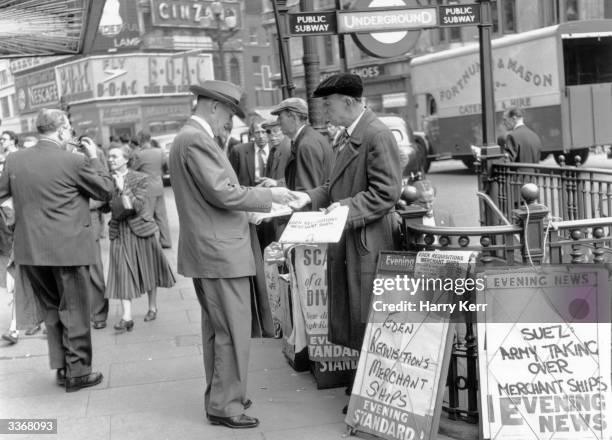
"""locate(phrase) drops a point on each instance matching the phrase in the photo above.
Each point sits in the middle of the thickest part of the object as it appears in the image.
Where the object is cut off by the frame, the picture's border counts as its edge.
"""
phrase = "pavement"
(154, 382)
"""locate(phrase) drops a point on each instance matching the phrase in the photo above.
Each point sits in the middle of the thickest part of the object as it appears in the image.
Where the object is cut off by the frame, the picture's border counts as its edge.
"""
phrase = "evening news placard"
(311, 282)
(544, 354)
(404, 359)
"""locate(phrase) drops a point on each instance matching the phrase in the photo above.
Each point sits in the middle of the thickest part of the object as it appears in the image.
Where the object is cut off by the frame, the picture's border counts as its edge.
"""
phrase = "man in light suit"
(150, 160)
(54, 243)
(522, 143)
(214, 246)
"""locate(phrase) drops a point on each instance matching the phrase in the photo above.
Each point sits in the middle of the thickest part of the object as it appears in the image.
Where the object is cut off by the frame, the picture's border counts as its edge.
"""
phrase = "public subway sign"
(459, 15)
(312, 23)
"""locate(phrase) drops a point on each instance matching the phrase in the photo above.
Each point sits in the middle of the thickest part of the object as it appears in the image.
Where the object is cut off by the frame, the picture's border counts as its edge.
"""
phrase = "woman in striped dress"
(137, 263)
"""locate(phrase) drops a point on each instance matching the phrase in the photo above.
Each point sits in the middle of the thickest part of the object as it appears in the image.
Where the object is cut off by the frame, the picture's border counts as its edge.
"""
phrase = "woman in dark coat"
(137, 263)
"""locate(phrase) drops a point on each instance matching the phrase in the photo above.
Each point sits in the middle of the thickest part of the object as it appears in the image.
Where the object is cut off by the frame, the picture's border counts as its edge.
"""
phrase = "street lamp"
(224, 30)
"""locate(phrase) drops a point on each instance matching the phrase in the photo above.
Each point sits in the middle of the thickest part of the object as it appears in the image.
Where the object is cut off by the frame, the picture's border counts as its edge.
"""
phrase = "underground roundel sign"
(386, 44)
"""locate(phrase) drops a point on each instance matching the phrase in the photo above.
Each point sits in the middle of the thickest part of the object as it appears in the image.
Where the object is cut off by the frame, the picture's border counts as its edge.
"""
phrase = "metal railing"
(570, 193)
(534, 238)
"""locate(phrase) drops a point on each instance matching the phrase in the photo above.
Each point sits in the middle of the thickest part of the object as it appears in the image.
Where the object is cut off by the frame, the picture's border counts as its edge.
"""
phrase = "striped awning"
(48, 27)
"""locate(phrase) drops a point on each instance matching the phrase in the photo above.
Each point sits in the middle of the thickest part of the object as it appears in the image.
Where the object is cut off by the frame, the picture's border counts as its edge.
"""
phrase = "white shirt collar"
(519, 123)
(205, 125)
(266, 148)
(297, 133)
(351, 127)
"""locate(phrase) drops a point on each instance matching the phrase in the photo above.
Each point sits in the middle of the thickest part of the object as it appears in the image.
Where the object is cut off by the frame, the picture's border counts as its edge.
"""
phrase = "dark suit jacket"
(311, 161)
(277, 162)
(151, 162)
(523, 145)
(214, 232)
(367, 178)
(242, 158)
(141, 220)
(51, 189)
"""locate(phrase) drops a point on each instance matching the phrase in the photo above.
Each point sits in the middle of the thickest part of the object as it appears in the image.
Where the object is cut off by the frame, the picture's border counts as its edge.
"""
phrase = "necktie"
(341, 141)
(261, 154)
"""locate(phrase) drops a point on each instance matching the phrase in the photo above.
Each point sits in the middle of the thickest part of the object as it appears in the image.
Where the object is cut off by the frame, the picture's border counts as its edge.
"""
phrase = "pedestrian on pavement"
(435, 216)
(137, 263)
(522, 144)
(52, 240)
(151, 161)
(214, 246)
(367, 178)
(9, 142)
(311, 157)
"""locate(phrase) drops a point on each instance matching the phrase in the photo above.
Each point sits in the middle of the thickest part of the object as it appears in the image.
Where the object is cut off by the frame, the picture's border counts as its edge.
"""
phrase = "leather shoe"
(247, 404)
(151, 315)
(98, 325)
(60, 377)
(124, 325)
(236, 422)
(33, 330)
(76, 383)
(11, 336)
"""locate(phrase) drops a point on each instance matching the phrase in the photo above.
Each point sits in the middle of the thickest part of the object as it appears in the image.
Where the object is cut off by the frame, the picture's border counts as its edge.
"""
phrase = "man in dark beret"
(367, 178)
(215, 246)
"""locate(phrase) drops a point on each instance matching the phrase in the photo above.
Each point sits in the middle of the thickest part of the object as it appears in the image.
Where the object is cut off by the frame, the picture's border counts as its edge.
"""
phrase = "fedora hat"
(222, 91)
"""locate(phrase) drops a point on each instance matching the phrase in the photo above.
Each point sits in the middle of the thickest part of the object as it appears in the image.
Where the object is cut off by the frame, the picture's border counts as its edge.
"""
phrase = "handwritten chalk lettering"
(391, 428)
(587, 385)
(392, 376)
(377, 390)
(547, 367)
(398, 327)
(552, 332)
(534, 387)
(572, 348)
(395, 353)
(518, 353)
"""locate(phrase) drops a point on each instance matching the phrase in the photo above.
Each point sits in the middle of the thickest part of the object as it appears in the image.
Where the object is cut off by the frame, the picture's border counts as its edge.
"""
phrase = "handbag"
(122, 207)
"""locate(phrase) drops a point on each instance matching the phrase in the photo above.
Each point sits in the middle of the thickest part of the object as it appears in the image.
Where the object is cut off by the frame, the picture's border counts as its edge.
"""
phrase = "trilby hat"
(222, 91)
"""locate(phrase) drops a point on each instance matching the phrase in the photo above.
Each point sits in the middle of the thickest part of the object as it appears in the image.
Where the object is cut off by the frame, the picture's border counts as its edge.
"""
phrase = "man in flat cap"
(367, 178)
(311, 157)
(214, 246)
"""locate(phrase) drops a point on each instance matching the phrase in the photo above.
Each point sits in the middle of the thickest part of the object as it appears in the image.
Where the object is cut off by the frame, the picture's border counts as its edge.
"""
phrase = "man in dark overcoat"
(53, 241)
(522, 143)
(367, 178)
(215, 247)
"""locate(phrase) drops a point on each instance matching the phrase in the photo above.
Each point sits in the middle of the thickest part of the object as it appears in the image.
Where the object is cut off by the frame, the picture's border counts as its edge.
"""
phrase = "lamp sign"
(193, 13)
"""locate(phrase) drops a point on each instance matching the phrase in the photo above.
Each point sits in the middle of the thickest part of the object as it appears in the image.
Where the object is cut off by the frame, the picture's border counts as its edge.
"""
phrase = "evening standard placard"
(315, 226)
(310, 271)
(544, 353)
(404, 358)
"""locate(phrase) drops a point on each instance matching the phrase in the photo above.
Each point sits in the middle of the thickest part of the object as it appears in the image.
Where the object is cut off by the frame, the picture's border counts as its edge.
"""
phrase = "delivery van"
(561, 76)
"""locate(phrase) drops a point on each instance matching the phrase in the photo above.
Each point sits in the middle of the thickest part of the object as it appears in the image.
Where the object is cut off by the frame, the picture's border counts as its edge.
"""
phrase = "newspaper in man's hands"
(277, 210)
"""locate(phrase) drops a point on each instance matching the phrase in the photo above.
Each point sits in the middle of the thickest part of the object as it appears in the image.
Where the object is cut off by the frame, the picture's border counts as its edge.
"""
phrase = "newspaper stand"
(302, 298)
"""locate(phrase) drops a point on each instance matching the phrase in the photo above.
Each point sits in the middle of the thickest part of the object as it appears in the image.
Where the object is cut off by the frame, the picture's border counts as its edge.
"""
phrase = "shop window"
(571, 10)
(3, 77)
(607, 8)
(587, 60)
(503, 13)
(549, 12)
(6, 109)
(252, 35)
(235, 71)
(328, 44)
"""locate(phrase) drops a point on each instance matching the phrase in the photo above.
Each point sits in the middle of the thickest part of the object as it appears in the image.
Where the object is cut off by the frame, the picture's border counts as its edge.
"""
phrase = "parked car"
(412, 149)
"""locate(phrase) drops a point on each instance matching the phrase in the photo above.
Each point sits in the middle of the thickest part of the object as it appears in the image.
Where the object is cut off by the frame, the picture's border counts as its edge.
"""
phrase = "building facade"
(387, 81)
(145, 56)
(9, 115)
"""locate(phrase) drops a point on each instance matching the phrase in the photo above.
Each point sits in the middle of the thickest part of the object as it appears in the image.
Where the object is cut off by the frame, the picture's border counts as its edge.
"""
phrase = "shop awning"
(48, 27)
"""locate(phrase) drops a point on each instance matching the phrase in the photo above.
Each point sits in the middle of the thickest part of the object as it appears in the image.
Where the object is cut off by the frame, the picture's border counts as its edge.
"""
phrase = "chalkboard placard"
(404, 359)
(544, 353)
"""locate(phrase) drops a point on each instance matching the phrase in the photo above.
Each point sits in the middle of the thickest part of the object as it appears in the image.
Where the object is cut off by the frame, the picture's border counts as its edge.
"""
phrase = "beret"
(342, 83)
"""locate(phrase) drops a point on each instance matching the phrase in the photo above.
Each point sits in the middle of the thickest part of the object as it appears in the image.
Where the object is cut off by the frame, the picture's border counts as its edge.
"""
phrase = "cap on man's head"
(222, 91)
(342, 83)
(270, 123)
(297, 105)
